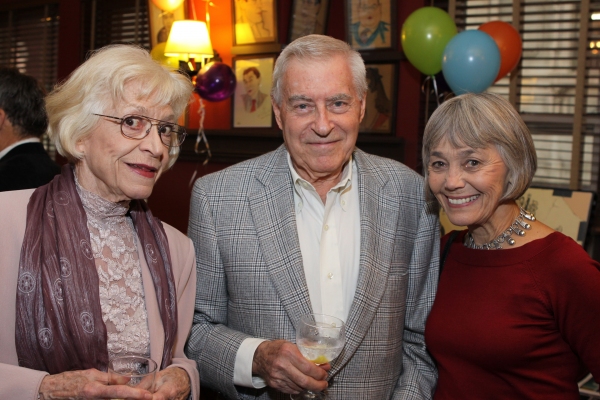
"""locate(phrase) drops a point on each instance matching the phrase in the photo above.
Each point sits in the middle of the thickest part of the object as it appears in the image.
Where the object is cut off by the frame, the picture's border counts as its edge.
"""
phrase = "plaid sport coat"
(251, 279)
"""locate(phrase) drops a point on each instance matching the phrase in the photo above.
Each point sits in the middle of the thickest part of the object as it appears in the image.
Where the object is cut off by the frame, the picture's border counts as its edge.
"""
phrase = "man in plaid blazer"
(314, 226)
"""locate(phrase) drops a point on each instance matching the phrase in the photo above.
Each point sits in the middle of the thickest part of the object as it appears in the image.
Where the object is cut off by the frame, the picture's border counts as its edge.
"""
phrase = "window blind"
(115, 21)
(544, 86)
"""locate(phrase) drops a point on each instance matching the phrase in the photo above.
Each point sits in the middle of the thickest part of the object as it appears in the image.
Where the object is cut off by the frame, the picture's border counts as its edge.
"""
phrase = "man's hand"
(283, 367)
(172, 384)
(88, 384)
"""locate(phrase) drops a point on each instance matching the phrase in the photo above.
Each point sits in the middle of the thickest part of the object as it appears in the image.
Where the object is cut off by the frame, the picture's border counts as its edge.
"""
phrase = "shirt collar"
(12, 146)
(342, 184)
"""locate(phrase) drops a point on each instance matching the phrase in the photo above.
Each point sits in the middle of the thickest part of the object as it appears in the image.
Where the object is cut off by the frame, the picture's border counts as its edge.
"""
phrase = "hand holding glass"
(134, 371)
(320, 338)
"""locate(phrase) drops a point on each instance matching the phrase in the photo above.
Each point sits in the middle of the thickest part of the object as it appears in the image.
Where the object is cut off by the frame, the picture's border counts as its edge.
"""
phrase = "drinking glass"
(320, 338)
(140, 371)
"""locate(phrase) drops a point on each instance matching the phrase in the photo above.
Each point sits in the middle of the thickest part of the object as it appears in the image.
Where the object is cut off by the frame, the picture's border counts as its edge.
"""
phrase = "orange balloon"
(509, 43)
(167, 5)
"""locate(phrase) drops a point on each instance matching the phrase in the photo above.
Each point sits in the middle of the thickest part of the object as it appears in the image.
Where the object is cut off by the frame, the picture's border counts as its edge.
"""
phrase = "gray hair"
(100, 84)
(315, 48)
(483, 120)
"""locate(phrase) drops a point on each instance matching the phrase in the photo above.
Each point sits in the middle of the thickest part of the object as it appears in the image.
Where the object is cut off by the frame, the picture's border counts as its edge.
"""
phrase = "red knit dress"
(515, 323)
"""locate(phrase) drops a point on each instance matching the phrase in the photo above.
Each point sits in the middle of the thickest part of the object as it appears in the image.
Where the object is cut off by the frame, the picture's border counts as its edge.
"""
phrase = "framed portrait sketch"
(161, 21)
(381, 99)
(252, 101)
(308, 16)
(255, 21)
(369, 24)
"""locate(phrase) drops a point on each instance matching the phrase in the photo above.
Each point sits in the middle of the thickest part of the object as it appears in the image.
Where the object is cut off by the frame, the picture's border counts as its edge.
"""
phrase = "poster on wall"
(254, 22)
(161, 21)
(252, 101)
(381, 98)
(308, 17)
(369, 24)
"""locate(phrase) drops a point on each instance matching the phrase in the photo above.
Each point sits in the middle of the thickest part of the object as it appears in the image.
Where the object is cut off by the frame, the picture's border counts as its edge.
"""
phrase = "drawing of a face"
(251, 82)
(252, 10)
(369, 13)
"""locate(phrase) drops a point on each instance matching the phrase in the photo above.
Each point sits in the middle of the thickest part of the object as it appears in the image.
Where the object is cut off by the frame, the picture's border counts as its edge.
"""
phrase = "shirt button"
(330, 275)
(326, 227)
(343, 202)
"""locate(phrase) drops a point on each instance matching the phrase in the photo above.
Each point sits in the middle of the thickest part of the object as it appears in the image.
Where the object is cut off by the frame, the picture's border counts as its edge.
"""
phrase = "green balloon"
(425, 34)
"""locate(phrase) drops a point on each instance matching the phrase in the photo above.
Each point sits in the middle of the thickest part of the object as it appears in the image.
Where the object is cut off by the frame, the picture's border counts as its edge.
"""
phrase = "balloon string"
(435, 90)
(199, 138)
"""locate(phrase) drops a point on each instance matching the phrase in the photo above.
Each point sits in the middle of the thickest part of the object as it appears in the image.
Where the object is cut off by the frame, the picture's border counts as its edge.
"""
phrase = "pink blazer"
(22, 383)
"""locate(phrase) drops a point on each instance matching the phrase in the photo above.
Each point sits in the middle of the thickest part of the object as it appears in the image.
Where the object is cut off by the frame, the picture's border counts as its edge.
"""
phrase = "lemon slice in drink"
(320, 360)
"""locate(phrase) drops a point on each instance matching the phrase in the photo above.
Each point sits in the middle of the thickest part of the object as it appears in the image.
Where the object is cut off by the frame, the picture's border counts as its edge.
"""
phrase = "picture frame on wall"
(252, 102)
(254, 22)
(370, 24)
(161, 21)
(308, 17)
(381, 98)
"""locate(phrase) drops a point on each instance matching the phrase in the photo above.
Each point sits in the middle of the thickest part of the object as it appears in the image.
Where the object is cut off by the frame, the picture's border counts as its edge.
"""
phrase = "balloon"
(215, 81)
(425, 34)
(509, 43)
(158, 54)
(167, 5)
(471, 62)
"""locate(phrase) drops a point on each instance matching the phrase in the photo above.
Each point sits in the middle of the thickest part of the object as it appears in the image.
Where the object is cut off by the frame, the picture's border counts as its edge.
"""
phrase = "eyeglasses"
(138, 127)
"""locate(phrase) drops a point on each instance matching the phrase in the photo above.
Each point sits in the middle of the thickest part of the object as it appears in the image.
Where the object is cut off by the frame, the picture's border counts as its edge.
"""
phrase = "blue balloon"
(471, 62)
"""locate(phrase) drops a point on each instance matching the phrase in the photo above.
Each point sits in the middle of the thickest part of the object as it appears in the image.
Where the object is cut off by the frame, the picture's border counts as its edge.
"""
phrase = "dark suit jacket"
(27, 166)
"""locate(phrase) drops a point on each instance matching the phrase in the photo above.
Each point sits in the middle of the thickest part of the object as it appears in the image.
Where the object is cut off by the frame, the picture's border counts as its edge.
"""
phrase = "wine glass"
(138, 371)
(320, 338)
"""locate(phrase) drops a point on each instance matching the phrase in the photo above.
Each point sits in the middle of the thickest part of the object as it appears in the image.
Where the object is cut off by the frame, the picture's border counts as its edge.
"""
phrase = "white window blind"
(556, 86)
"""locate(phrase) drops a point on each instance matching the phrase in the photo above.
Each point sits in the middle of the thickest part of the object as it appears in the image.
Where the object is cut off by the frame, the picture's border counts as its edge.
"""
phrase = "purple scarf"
(59, 324)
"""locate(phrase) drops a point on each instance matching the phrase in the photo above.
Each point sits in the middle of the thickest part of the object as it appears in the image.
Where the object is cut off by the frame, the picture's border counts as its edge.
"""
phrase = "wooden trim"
(584, 15)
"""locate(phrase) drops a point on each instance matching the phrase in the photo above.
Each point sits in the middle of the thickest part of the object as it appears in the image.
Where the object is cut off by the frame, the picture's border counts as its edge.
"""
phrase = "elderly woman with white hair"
(515, 314)
(88, 273)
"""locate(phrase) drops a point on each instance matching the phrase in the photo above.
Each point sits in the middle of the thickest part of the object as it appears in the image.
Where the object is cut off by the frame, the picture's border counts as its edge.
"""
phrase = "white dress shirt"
(329, 237)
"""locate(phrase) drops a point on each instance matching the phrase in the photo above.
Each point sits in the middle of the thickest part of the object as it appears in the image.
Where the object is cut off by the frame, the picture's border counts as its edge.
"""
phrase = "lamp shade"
(189, 37)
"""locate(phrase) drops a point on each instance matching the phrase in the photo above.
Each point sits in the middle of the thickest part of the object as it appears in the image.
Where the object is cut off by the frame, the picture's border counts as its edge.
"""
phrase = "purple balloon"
(215, 81)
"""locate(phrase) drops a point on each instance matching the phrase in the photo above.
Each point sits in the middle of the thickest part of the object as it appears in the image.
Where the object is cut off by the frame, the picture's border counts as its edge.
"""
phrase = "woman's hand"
(88, 384)
(172, 384)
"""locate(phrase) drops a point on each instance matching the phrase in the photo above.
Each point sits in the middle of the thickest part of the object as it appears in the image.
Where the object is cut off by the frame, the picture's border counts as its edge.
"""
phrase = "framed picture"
(381, 99)
(255, 21)
(252, 100)
(369, 24)
(161, 21)
(308, 16)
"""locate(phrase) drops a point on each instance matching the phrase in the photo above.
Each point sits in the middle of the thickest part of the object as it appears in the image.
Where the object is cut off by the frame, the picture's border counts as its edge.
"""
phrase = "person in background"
(24, 163)
(88, 273)
(516, 310)
(315, 226)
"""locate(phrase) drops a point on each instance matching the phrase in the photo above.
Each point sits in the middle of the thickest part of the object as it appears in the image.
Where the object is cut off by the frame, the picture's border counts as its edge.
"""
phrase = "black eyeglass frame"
(159, 123)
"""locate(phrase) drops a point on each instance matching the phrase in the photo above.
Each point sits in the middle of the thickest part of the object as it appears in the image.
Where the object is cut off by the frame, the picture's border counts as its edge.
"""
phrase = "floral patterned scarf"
(59, 324)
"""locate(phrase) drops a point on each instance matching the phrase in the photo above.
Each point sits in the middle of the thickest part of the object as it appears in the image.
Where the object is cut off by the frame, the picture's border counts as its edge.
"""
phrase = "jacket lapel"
(273, 213)
(377, 212)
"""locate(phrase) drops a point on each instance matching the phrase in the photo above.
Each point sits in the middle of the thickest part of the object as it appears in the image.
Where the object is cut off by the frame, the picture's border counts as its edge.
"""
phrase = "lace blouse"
(114, 244)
